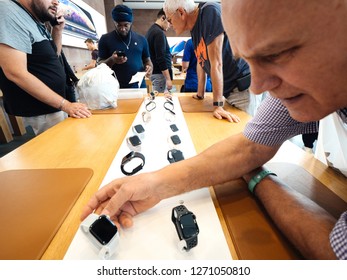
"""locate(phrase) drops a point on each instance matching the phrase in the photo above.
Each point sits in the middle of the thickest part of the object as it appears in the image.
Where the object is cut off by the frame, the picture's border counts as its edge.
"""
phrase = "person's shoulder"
(107, 35)
(209, 8)
(11, 10)
(138, 36)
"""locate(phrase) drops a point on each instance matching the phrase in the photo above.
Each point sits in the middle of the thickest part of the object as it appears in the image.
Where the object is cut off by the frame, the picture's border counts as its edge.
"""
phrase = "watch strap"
(128, 158)
(87, 222)
(218, 103)
(178, 211)
(257, 179)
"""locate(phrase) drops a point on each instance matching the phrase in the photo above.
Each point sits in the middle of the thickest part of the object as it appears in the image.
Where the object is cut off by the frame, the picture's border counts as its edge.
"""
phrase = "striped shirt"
(271, 126)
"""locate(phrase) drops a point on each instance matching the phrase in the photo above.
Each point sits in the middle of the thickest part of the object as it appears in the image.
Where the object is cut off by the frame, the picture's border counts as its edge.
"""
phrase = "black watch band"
(181, 210)
(218, 103)
(130, 157)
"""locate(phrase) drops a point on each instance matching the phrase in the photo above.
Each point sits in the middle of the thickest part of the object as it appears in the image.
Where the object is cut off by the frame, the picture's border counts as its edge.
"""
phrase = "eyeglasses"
(169, 19)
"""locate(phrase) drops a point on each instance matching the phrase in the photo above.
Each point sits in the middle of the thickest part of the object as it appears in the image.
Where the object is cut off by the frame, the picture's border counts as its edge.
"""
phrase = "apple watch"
(218, 103)
(186, 227)
(174, 155)
(134, 142)
(103, 233)
(129, 157)
(139, 130)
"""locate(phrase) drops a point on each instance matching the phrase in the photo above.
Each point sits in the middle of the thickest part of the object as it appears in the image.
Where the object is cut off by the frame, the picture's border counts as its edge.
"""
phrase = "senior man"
(304, 69)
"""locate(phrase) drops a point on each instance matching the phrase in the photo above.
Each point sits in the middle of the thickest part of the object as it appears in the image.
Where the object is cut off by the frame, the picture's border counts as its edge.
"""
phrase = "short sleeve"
(211, 13)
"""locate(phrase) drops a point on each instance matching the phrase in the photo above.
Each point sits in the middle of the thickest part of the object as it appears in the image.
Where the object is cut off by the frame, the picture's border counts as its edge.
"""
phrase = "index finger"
(103, 194)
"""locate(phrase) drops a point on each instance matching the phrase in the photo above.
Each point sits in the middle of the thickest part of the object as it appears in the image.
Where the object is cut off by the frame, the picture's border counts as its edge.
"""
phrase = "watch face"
(139, 128)
(189, 226)
(175, 139)
(103, 229)
(135, 140)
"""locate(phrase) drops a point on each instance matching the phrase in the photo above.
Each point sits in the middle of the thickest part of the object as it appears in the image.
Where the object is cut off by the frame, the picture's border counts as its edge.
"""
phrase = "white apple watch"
(103, 233)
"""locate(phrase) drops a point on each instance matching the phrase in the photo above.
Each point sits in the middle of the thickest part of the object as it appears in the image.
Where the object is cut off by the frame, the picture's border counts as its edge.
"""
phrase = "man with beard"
(125, 51)
(32, 77)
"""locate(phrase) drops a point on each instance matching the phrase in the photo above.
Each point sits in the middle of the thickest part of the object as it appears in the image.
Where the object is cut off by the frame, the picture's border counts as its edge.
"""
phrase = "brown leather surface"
(34, 204)
(191, 105)
(124, 106)
(252, 231)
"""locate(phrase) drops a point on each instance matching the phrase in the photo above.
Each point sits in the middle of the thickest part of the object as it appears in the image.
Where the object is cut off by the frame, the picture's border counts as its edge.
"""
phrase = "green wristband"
(257, 178)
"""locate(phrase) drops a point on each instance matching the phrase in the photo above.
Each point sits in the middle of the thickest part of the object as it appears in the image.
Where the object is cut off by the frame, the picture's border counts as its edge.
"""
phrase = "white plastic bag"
(98, 88)
(331, 146)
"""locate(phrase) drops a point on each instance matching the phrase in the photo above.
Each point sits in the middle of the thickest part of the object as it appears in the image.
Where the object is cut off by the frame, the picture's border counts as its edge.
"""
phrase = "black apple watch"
(174, 155)
(103, 233)
(186, 226)
(218, 103)
(129, 157)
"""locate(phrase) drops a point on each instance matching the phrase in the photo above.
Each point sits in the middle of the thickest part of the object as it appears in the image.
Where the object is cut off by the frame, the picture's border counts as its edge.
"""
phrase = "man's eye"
(280, 56)
(273, 57)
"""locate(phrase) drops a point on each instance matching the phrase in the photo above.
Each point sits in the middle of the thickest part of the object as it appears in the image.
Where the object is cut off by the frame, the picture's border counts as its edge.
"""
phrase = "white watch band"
(105, 251)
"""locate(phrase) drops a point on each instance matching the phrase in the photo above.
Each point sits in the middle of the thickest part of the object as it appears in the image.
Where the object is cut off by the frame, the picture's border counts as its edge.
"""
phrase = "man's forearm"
(224, 161)
(37, 89)
(201, 80)
(217, 83)
(108, 61)
(305, 223)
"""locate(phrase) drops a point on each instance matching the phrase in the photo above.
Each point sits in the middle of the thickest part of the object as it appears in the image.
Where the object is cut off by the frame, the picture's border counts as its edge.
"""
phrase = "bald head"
(290, 45)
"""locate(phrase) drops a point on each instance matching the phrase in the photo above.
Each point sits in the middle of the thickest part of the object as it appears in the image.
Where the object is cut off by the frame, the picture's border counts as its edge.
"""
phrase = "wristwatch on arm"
(186, 227)
(218, 103)
(103, 233)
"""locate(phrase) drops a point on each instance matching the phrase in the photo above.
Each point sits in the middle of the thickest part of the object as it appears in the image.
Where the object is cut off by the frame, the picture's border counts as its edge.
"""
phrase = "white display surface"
(153, 235)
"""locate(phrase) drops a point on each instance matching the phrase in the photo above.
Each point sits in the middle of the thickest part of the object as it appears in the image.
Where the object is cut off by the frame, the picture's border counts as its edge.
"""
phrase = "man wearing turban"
(124, 50)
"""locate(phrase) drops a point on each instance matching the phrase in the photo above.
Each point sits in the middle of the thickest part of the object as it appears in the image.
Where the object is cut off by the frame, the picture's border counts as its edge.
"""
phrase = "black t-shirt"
(207, 27)
(21, 32)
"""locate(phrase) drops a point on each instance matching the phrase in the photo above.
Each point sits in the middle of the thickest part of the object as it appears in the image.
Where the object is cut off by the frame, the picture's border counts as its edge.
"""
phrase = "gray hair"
(172, 5)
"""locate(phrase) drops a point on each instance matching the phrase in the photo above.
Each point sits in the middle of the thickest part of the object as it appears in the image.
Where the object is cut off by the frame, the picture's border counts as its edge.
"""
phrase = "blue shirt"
(136, 54)
(191, 82)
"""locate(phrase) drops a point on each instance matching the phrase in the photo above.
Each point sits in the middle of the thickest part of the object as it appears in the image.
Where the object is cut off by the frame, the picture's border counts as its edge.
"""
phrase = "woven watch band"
(257, 178)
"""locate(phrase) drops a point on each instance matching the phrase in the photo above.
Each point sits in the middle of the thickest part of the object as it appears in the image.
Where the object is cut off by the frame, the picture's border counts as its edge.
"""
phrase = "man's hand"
(149, 71)
(119, 59)
(198, 97)
(169, 84)
(220, 113)
(76, 110)
(124, 198)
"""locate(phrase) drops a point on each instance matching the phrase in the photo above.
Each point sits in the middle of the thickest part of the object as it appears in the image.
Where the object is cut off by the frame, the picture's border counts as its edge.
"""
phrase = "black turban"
(122, 13)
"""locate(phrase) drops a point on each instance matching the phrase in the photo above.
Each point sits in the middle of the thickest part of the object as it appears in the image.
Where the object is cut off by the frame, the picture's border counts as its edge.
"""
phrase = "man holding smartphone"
(32, 78)
(124, 50)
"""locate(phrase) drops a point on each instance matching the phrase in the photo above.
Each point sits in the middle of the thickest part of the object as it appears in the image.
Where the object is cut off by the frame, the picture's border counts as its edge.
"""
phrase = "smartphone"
(120, 53)
(175, 139)
(173, 127)
(54, 21)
